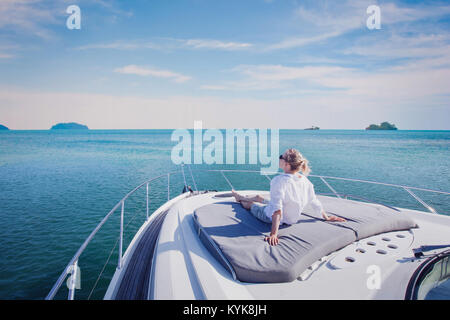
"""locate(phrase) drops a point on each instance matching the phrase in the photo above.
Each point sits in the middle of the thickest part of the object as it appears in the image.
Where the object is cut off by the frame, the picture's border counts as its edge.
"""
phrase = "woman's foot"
(259, 198)
(237, 196)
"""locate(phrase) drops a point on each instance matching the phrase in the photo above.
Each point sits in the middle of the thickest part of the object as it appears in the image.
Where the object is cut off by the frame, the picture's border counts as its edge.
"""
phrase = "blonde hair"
(297, 161)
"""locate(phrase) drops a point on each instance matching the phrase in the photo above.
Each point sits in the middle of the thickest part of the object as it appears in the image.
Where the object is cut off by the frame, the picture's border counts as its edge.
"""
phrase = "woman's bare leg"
(239, 197)
(246, 204)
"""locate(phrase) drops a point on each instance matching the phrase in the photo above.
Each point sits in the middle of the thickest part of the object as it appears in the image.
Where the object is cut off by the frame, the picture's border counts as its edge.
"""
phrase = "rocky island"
(383, 126)
(2, 127)
(70, 125)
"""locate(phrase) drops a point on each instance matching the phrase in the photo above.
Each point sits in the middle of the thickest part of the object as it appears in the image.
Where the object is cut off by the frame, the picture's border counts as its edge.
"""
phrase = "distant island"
(2, 127)
(383, 126)
(312, 128)
(70, 125)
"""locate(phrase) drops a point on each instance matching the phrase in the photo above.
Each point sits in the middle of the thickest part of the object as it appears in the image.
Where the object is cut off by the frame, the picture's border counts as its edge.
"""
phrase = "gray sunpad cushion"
(365, 219)
(240, 237)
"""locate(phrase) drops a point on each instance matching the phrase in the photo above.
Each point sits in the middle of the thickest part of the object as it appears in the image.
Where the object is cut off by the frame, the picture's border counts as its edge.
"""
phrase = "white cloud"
(5, 55)
(301, 41)
(121, 45)
(325, 20)
(111, 5)
(215, 44)
(213, 87)
(27, 16)
(170, 44)
(145, 71)
(391, 13)
(322, 21)
(277, 77)
(8, 51)
(398, 46)
(283, 73)
(350, 90)
(35, 17)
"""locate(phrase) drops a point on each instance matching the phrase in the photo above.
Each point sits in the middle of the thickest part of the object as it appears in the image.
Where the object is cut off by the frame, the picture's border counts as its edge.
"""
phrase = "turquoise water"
(55, 187)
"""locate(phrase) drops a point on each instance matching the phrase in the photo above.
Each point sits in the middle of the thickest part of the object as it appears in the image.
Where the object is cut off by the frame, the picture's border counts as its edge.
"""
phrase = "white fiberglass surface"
(184, 268)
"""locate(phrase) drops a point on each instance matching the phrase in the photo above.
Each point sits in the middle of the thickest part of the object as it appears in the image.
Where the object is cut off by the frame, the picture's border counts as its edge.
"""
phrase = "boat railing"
(72, 266)
(347, 196)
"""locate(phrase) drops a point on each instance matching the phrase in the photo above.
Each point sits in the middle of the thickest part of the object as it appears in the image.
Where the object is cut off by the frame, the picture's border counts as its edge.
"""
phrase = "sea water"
(56, 186)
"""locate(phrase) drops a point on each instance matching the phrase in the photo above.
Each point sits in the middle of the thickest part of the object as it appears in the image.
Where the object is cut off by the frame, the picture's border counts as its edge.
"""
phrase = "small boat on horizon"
(312, 128)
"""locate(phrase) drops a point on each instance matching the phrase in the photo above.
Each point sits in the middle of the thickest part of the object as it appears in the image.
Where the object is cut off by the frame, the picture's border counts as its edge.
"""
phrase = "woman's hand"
(335, 219)
(272, 239)
(332, 218)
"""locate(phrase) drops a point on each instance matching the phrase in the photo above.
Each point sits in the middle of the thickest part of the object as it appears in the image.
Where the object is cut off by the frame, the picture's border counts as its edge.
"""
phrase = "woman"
(289, 194)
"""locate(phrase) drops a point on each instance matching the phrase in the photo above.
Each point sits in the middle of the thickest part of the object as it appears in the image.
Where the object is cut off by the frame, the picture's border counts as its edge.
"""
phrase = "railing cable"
(109, 257)
(193, 180)
(420, 200)
(168, 186)
(229, 183)
(184, 177)
(330, 187)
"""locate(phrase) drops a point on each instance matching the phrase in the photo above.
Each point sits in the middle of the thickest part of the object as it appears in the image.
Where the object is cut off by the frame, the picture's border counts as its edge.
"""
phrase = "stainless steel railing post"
(168, 186)
(147, 203)
(119, 264)
(73, 280)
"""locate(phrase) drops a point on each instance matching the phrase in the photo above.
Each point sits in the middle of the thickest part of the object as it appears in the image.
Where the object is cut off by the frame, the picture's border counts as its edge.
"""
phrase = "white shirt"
(290, 194)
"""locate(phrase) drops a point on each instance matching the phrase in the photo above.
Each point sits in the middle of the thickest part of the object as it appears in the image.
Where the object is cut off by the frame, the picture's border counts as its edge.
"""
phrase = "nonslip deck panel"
(135, 281)
(240, 237)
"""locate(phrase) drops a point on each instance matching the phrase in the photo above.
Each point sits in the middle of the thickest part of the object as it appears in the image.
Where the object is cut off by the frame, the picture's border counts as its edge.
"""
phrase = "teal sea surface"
(56, 186)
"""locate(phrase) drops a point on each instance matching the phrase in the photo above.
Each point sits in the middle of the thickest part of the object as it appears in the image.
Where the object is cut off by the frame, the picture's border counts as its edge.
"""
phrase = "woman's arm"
(317, 206)
(273, 238)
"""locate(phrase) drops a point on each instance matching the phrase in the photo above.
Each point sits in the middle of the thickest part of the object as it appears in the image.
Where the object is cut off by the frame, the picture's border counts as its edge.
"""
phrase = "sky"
(283, 64)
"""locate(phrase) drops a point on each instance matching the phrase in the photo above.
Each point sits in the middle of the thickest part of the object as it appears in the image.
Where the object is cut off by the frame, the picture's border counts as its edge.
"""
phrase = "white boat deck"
(185, 269)
(171, 262)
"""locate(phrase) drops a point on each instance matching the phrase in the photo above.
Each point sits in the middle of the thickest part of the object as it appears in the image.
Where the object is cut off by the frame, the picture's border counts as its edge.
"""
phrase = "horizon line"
(302, 129)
